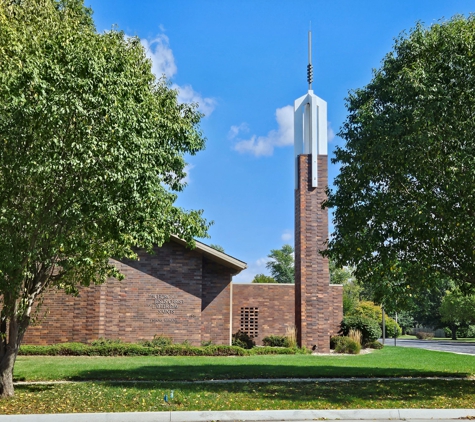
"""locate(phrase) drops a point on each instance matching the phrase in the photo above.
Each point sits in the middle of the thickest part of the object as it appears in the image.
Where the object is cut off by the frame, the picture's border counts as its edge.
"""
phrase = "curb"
(259, 415)
(247, 380)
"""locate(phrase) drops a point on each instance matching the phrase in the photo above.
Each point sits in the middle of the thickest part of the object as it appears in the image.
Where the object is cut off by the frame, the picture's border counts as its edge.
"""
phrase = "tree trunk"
(9, 351)
(454, 332)
(6, 375)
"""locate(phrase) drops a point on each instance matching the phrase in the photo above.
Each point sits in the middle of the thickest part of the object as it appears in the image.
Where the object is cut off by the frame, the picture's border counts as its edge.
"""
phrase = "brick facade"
(176, 292)
(216, 304)
(186, 295)
(275, 304)
(318, 308)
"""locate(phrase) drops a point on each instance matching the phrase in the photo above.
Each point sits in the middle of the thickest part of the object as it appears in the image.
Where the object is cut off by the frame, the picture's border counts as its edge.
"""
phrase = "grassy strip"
(388, 362)
(132, 349)
(103, 397)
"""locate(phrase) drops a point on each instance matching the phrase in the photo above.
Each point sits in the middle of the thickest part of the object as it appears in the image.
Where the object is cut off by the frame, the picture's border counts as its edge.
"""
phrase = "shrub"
(374, 345)
(368, 327)
(355, 335)
(242, 339)
(275, 341)
(102, 341)
(368, 309)
(291, 334)
(424, 335)
(343, 344)
(158, 340)
(127, 349)
(392, 328)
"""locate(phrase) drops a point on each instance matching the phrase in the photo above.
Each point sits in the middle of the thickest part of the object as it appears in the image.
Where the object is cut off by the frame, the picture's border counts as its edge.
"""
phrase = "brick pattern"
(162, 293)
(61, 318)
(316, 302)
(216, 304)
(275, 303)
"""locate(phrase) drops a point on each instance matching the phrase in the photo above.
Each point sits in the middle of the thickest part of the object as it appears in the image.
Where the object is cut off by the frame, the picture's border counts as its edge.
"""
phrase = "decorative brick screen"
(250, 321)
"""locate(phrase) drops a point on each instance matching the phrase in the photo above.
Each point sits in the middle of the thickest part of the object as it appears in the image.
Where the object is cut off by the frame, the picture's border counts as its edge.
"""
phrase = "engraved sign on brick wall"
(165, 304)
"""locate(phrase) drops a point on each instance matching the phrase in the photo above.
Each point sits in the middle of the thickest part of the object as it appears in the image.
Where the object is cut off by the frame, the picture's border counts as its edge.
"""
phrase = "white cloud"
(254, 268)
(236, 130)
(187, 170)
(264, 145)
(158, 50)
(186, 94)
(163, 63)
(282, 136)
(287, 235)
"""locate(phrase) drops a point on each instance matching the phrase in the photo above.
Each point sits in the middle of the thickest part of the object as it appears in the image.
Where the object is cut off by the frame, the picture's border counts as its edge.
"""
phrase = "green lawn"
(141, 397)
(388, 362)
(159, 376)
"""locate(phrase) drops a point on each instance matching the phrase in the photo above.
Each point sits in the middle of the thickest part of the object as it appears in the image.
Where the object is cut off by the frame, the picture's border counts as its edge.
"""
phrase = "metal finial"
(309, 66)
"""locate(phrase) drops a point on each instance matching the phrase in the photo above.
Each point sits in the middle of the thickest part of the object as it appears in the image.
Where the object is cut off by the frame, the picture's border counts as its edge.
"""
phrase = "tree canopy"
(262, 278)
(404, 198)
(92, 151)
(457, 310)
(281, 265)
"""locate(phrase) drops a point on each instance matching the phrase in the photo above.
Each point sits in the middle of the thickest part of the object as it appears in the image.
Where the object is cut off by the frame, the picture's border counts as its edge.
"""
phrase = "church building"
(189, 295)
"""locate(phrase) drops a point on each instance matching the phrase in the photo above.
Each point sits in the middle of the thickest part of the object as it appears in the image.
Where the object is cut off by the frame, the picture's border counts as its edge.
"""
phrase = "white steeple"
(310, 123)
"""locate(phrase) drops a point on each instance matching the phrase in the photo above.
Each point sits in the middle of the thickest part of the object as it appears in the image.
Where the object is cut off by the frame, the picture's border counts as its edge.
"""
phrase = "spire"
(309, 66)
(310, 123)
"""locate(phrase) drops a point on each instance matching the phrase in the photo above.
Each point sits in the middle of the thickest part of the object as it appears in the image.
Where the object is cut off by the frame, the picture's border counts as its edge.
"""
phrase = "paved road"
(442, 345)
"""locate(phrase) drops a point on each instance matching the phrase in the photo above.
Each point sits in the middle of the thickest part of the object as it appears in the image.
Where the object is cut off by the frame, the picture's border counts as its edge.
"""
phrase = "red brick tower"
(318, 305)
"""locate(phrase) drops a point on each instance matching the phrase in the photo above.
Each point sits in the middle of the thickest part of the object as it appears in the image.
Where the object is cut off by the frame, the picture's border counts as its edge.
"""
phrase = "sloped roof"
(214, 255)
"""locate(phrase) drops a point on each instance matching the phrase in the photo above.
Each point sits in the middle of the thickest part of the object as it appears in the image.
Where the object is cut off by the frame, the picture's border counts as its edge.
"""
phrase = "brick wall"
(275, 303)
(313, 300)
(161, 294)
(216, 303)
(63, 318)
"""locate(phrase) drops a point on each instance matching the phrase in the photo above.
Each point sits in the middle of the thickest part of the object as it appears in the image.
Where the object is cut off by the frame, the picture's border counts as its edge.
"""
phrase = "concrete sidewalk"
(259, 415)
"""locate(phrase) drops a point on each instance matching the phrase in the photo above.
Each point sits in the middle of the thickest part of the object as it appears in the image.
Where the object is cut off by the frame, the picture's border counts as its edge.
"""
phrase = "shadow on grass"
(246, 371)
(34, 388)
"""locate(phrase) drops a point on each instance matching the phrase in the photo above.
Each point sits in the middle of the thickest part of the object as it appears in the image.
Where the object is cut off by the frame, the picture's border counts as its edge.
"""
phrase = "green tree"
(404, 204)
(351, 289)
(405, 321)
(457, 311)
(217, 247)
(281, 265)
(262, 278)
(91, 149)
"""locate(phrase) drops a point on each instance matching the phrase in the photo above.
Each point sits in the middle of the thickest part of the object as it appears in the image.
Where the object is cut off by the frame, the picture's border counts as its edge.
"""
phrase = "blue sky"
(245, 62)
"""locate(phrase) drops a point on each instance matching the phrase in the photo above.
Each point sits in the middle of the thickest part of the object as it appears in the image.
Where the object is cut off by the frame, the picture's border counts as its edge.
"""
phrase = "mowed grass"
(388, 362)
(148, 396)
(103, 388)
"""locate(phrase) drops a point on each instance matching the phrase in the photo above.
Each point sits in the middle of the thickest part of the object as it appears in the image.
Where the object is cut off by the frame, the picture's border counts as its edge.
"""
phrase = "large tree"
(404, 197)
(91, 151)
(457, 311)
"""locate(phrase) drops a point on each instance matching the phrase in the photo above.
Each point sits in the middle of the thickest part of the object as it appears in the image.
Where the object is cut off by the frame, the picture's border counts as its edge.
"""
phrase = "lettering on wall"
(165, 304)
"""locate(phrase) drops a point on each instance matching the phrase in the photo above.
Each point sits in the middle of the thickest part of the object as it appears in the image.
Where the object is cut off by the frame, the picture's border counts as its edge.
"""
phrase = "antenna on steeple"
(309, 66)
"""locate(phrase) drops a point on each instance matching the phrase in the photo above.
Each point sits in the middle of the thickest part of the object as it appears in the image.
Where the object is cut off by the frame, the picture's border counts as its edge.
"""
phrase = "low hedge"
(131, 349)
